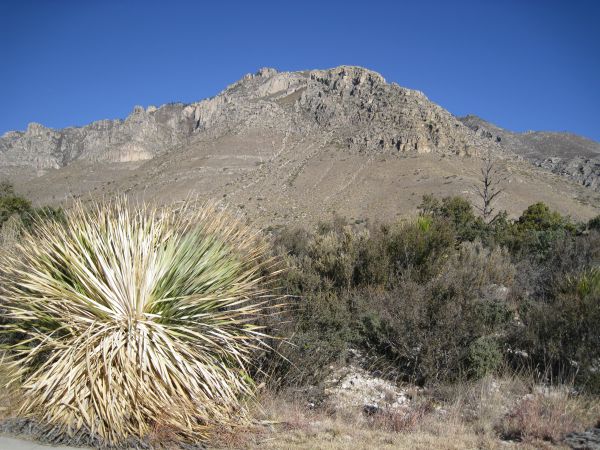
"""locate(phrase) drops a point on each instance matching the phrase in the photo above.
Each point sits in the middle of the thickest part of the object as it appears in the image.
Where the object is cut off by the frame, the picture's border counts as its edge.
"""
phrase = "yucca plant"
(586, 283)
(123, 318)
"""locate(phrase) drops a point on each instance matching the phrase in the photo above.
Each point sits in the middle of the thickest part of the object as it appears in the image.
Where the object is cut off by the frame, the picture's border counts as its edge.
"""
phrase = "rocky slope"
(141, 136)
(280, 147)
(356, 106)
(565, 154)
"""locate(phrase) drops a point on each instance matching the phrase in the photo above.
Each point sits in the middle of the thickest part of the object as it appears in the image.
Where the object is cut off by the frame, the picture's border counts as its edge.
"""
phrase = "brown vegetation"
(490, 413)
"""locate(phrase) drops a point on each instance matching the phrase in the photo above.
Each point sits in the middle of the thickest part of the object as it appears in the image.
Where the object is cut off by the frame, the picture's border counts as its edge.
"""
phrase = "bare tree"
(492, 181)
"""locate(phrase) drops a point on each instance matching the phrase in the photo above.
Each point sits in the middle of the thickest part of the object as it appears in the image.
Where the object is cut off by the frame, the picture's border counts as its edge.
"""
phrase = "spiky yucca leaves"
(131, 317)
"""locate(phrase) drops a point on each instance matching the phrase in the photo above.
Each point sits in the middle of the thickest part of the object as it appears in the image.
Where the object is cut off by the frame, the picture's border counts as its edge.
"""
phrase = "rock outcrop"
(142, 135)
(565, 154)
(354, 106)
(351, 387)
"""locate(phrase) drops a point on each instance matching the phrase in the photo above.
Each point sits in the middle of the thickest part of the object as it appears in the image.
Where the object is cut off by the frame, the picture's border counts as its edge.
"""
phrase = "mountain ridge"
(567, 154)
(138, 136)
(282, 144)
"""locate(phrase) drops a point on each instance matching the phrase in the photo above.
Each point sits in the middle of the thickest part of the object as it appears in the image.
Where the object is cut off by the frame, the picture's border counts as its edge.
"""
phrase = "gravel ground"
(7, 443)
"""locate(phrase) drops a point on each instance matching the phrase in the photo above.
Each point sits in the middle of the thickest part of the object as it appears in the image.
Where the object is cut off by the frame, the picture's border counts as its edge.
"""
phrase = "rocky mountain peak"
(34, 128)
(351, 107)
(291, 147)
(347, 76)
(266, 72)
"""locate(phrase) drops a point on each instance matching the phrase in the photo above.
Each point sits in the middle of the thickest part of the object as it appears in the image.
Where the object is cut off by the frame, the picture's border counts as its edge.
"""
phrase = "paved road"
(7, 443)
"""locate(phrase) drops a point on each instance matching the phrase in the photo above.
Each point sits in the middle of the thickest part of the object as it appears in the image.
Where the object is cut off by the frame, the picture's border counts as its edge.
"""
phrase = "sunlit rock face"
(349, 108)
(355, 106)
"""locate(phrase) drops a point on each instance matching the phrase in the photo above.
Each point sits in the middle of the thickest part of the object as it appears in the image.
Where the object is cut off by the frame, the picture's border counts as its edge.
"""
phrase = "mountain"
(565, 154)
(284, 147)
(354, 105)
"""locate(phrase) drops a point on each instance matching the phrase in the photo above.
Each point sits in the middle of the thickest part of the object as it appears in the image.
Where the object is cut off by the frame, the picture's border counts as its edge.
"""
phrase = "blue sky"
(527, 64)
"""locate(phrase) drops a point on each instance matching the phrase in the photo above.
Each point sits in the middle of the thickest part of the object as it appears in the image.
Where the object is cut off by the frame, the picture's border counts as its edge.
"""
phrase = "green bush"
(427, 328)
(594, 224)
(10, 205)
(537, 231)
(484, 356)
(438, 297)
(539, 217)
(419, 247)
(458, 212)
(560, 331)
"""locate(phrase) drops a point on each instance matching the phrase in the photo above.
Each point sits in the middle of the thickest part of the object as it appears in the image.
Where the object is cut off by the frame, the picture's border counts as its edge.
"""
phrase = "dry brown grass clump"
(9, 398)
(548, 417)
(290, 424)
(463, 415)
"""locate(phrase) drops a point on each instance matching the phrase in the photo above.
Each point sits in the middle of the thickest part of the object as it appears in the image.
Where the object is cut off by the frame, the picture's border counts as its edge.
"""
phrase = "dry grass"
(470, 415)
(488, 414)
(130, 321)
(294, 426)
(9, 398)
(548, 417)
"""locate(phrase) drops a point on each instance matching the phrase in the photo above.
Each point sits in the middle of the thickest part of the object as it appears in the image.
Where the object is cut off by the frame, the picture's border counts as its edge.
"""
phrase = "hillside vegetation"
(491, 327)
(446, 296)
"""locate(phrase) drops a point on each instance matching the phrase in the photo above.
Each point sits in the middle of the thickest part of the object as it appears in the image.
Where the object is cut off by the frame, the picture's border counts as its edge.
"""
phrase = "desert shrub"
(20, 209)
(331, 275)
(11, 230)
(431, 330)
(333, 255)
(548, 417)
(540, 217)
(500, 232)
(316, 326)
(484, 356)
(537, 278)
(594, 223)
(537, 231)
(126, 319)
(441, 296)
(419, 246)
(292, 241)
(327, 312)
(44, 213)
(458, 212)
(571, 255)
(481, 267)
(11, 204)
(6, 189)
(305, 357)
(373, 265)
(425, 341)
(330, 254)
(561, 330)
(392, 325)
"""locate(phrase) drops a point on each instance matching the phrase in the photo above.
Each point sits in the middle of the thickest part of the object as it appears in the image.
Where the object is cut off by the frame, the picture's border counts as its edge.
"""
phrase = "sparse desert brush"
(549, 416)
(123, 319)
